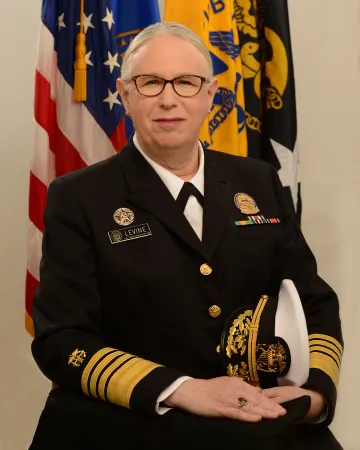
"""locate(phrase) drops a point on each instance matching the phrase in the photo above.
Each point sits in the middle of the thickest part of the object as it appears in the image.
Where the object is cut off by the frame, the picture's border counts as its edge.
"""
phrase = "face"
(168, 121)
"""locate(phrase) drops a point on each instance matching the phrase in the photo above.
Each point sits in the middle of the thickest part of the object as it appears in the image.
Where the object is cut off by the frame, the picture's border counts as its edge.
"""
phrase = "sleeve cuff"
(321, 382)
(126, 380)
(324, 414)
(166, 393)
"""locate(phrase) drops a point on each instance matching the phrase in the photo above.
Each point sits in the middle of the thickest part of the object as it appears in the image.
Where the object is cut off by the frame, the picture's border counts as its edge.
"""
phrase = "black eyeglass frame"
(203, 80)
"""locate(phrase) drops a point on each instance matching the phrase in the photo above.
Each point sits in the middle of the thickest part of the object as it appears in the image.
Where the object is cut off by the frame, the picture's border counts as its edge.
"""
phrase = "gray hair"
(164, 29)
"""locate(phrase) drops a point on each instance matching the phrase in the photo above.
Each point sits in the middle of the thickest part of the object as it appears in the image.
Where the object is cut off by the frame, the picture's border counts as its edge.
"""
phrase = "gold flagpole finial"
(80, 63)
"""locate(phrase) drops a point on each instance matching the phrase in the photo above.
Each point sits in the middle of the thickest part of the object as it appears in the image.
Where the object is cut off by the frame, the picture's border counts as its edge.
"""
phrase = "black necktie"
(187, 190)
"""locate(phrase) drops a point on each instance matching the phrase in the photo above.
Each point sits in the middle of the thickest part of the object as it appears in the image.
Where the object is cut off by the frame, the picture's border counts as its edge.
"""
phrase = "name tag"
(130, 233)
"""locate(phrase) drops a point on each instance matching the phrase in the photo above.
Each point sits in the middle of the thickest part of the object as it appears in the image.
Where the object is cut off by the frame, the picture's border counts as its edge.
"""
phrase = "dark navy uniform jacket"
(119, 319)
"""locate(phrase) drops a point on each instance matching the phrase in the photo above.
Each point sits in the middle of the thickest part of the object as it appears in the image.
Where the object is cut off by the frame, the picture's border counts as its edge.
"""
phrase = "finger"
(268, 404)
(258, 400)
(275, 395)
(240, 414)
(252, 390)
(259, 411)
(278, 400)
(246, 417)
(272, 407)
(262, 406)
(271, 392)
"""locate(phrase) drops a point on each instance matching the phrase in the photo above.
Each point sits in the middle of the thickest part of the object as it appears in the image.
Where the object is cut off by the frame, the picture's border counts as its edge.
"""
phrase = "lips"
(170, 120)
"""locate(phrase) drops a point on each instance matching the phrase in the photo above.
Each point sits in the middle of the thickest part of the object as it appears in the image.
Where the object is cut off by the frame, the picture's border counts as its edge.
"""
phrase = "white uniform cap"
(290, 325)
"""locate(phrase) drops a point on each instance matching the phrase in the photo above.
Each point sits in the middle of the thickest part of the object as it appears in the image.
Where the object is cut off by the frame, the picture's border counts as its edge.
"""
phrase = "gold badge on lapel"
(124, 216)
(246, 204)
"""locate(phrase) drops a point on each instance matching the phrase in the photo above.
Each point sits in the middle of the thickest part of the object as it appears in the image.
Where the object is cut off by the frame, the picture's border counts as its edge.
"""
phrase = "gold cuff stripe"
(125, 380)
(324, 337)
(318, 349)
(316, 343)
(327, 344)
(136, 374)
(106, 376)
(90, 366)
(94, 377)
(326, 364)
(118, 384)
(253, 334)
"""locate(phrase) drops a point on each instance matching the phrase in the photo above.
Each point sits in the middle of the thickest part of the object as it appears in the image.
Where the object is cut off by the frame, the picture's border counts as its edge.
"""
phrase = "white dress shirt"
(194, 214)
(193, 210)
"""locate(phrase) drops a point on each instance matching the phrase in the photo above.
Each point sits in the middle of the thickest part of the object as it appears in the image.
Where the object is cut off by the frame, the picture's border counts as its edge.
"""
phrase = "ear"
(213, 87)
(124, 93)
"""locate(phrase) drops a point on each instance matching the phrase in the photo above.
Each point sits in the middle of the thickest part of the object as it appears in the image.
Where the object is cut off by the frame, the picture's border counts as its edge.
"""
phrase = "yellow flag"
(214, 21)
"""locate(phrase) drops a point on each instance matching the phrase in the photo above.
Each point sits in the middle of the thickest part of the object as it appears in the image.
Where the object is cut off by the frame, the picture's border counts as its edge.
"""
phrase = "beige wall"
(327, 55)
(22, 388)
(326, 43)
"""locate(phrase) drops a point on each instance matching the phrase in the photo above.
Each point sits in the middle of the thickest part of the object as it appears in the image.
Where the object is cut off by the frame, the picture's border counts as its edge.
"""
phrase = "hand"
(285, 393)
(218, 397)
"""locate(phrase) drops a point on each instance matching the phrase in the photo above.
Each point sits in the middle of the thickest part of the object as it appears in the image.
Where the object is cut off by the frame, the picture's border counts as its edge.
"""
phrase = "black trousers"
(73, 422)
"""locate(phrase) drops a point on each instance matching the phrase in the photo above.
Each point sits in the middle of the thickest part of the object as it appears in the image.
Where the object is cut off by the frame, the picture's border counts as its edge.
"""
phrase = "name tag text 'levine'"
(130, 233)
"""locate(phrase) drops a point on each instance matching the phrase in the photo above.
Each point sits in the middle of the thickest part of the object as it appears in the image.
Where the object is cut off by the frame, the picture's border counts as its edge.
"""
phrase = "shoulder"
(91, 174)
(237, 165)
(85, 188)
(99, 179)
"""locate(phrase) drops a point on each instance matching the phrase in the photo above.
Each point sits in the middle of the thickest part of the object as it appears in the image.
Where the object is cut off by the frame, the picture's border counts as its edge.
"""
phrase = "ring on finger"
(242, 402)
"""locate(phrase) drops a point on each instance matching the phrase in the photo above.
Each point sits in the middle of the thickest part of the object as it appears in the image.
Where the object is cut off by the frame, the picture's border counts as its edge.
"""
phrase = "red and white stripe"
(67, 137)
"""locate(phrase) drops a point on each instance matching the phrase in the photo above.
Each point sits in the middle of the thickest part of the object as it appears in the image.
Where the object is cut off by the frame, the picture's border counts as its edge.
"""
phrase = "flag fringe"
(80, 81)
(29, 324)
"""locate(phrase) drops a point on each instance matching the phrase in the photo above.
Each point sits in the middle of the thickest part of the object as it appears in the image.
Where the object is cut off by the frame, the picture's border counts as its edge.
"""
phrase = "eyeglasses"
(185, 86)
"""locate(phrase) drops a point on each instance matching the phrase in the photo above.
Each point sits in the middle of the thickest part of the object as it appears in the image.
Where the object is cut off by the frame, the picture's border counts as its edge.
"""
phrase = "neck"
(182, 162)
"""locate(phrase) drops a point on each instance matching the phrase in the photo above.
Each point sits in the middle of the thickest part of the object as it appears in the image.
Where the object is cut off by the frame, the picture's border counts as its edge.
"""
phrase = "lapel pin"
(246, 204)
(124, 216)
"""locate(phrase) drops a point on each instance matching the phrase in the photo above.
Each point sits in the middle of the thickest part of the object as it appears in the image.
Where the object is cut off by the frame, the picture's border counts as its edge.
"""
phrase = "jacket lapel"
(217, 200)
(148, 192)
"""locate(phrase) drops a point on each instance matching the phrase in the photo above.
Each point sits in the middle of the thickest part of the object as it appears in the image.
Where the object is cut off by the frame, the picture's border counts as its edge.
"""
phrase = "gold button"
(218, 349)
(205, 269)
(214, 311)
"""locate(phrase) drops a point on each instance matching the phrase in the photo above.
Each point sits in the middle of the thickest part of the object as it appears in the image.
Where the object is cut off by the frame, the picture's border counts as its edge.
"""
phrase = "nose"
(168, 98)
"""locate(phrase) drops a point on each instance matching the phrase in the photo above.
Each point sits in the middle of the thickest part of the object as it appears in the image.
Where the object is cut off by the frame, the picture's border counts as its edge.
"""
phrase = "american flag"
(70, 135)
